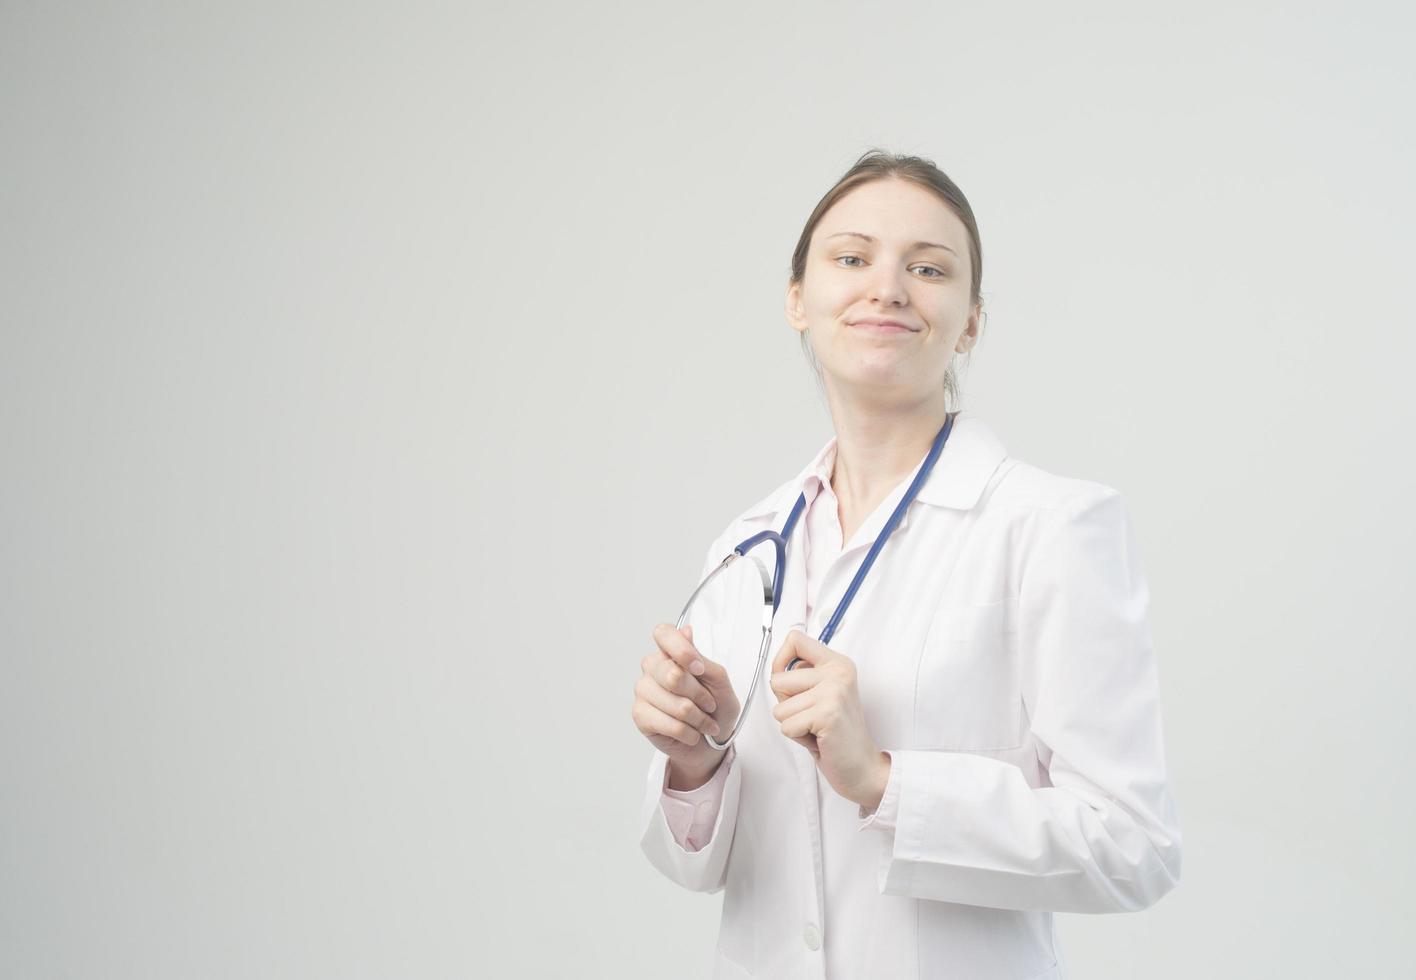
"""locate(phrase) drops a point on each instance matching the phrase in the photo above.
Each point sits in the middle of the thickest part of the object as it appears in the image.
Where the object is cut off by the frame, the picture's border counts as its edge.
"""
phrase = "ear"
(796, 315)
(970, 335)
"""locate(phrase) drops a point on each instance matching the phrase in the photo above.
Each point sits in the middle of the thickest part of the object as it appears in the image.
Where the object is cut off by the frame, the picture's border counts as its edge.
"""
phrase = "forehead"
(895, 211)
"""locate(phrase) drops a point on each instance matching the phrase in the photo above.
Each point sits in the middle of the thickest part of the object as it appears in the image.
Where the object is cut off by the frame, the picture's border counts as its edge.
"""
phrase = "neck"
(879, 443)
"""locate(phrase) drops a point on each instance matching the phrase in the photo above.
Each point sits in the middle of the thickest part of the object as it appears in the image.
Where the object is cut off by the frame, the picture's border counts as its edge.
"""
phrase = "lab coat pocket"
(968, 692)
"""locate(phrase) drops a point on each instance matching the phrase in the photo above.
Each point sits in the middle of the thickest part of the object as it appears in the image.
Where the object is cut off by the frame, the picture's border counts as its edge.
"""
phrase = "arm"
(1104, 836)
(692, 849)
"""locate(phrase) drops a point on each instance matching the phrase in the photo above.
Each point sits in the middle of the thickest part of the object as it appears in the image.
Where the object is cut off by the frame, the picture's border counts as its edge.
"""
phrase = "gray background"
(373, 379)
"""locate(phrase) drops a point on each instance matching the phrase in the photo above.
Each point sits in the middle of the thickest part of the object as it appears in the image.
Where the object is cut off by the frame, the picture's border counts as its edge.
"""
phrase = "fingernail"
(696, 667)
(713, 729)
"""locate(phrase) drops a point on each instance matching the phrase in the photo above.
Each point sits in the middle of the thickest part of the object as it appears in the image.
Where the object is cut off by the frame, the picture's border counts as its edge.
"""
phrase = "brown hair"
(877, 164)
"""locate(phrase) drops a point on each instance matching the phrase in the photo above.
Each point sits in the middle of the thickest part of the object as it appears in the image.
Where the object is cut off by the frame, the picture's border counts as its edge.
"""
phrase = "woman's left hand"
(818, 705)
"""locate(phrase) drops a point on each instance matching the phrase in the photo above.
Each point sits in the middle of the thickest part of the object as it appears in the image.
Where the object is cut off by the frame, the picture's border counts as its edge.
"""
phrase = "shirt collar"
(963, 469)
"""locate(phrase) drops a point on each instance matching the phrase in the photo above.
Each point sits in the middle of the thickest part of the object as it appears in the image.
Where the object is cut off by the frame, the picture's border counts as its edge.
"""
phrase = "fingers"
(674, 667)
(653, 721)
(812, 654)
(788, 710)
(676, 707)
(679, 649)
(670, 675)
(797, 726)
(790, 682)
(714, 674)
(795, 645)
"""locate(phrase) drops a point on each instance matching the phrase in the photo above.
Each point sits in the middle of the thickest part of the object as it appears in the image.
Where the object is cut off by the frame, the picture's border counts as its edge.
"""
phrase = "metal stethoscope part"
(769, 610)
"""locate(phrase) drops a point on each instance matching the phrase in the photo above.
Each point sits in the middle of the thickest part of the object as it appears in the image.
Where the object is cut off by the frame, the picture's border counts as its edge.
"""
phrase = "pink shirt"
(692, 813)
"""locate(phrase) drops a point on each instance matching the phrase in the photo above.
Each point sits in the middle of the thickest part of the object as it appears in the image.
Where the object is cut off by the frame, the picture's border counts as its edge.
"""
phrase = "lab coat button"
(812, 935)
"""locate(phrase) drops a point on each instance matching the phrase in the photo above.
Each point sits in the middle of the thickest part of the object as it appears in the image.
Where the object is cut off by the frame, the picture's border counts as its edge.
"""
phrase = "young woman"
(979, 744)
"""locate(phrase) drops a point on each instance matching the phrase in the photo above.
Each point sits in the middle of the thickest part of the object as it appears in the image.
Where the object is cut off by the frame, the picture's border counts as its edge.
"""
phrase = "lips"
(881, 325)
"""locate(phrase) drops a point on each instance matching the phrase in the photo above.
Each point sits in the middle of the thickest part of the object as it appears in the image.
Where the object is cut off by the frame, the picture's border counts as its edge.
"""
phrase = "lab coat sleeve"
(1104, 836)
(704, 869)
(693, 812)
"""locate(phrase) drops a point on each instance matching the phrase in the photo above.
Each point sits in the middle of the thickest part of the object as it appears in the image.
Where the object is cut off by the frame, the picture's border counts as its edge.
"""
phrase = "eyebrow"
(873, 240)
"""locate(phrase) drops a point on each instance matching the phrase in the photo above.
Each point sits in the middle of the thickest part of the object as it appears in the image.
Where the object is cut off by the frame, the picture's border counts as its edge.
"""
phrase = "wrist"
(686, 776)
(878, 784)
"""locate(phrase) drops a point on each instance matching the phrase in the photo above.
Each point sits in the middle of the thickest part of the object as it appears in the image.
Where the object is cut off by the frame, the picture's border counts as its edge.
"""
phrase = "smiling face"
(888, 250)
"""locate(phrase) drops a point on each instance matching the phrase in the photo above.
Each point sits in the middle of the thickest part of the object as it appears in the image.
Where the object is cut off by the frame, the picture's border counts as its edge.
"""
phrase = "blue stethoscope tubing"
(772, 586)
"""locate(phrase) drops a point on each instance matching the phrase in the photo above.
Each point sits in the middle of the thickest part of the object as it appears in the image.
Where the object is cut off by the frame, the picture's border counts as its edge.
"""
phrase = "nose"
(887, 286)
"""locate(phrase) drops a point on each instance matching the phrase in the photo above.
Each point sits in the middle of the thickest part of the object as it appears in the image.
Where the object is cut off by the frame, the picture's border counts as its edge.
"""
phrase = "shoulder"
(1024, 489)
(1045, 518)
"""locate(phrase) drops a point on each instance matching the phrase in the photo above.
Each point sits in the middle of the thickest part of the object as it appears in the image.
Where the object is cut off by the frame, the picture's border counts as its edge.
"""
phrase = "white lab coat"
(1004, 660)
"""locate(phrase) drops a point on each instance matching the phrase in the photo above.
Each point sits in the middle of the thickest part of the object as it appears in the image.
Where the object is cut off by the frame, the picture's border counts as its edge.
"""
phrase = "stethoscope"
(772, 586)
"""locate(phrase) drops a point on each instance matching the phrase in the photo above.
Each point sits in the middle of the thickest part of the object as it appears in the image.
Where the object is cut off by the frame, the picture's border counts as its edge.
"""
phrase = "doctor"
(980, 744)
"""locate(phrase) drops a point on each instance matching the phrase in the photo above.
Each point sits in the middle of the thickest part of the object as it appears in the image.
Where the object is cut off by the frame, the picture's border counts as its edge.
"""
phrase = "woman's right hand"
(673, 706)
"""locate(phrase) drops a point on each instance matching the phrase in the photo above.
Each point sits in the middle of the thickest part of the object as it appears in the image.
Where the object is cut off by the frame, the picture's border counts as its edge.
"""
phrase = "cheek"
(829, 299)
(953, 310)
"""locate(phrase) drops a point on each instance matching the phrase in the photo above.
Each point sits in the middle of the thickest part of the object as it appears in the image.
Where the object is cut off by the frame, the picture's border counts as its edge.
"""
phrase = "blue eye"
(938, 273)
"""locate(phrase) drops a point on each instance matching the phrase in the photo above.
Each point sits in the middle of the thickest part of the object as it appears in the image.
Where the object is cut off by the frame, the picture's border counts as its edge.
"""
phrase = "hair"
(877, 164)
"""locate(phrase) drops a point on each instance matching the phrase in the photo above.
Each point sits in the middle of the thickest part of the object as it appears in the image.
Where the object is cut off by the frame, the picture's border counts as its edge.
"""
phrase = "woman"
(979, 745)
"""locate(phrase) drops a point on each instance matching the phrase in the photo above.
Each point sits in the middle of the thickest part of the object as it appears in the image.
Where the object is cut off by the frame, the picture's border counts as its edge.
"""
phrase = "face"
(889, 250)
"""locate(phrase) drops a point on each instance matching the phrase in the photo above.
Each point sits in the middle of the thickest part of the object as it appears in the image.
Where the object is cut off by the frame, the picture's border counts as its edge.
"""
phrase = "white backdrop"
(373, 378)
